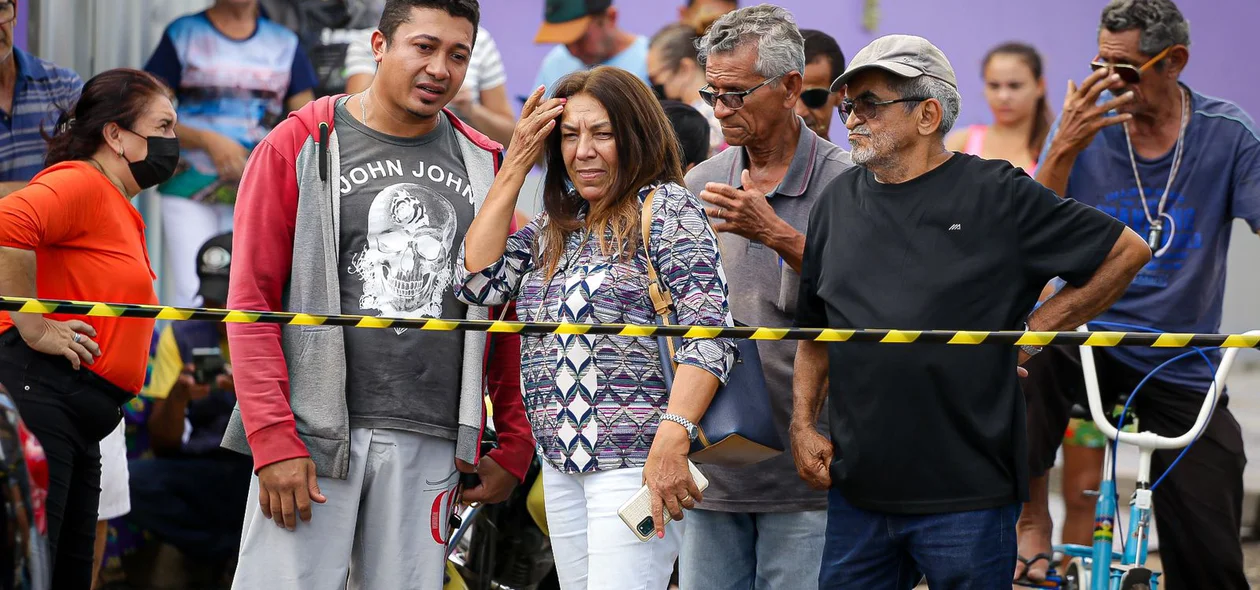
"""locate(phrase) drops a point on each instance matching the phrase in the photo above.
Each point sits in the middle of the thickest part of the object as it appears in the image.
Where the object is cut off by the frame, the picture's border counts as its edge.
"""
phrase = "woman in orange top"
(73, 234)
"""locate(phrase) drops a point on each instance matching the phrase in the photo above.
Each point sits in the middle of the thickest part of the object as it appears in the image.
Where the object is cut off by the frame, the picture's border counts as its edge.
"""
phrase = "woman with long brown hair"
(1015, 89)
(605, 422)
(72, 233)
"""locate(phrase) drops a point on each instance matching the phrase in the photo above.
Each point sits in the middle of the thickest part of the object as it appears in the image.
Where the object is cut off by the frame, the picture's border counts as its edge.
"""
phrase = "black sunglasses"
(731, 100)
(867, 109)
(1130, 74)
(815, 98)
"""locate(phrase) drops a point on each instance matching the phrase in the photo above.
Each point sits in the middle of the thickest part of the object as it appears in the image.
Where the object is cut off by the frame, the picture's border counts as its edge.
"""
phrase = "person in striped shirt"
(32, 93)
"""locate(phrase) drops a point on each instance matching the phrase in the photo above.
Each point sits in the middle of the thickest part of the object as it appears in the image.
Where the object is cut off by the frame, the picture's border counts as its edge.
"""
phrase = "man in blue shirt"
(586, 35)
(1177, 167)
(32, 94)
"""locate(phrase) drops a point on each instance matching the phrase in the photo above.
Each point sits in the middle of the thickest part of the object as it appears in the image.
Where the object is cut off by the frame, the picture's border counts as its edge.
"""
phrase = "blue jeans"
(956, 551)
(742, 551)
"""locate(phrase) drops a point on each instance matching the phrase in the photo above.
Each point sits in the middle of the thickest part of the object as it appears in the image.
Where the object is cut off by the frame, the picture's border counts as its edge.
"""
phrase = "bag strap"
(658, 292)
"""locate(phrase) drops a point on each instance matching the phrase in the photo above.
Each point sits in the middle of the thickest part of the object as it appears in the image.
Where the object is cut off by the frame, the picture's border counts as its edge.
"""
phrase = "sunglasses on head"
(867, 108)
(815, 98)
(1130, 74)
(731, 100)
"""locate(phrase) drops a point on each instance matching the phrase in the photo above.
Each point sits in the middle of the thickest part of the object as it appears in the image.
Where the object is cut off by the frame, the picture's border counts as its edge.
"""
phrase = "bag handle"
(658, 292)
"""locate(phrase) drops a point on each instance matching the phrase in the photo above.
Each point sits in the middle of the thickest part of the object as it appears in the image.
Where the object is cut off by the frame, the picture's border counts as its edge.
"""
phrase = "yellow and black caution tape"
(161, 312)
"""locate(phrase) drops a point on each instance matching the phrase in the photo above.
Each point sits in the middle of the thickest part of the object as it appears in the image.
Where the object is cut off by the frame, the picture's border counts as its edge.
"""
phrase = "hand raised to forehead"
(529, 139)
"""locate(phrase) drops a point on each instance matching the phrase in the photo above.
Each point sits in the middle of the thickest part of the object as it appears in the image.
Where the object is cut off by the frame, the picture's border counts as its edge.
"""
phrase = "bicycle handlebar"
(1150, 440)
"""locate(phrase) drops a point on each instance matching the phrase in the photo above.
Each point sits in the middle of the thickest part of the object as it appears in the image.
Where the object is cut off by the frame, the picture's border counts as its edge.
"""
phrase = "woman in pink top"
(1016, 92)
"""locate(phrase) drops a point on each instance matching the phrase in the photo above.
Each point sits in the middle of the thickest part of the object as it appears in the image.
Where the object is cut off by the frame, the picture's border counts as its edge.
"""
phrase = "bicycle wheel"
(1075, 576)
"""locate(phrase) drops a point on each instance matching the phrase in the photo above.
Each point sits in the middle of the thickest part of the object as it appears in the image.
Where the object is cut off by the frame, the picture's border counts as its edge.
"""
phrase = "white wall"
(103, 34)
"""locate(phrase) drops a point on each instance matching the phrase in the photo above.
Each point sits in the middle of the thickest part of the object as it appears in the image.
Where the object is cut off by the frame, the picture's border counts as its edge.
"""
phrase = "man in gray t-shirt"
(760, 526)
(405, 205)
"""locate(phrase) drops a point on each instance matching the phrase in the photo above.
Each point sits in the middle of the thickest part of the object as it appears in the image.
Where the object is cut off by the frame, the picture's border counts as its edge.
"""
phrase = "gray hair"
(772, 30)
(1159, 21)
(929, 87)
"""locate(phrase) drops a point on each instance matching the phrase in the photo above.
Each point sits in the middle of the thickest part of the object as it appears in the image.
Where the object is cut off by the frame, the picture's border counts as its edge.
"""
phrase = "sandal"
(1051, 580)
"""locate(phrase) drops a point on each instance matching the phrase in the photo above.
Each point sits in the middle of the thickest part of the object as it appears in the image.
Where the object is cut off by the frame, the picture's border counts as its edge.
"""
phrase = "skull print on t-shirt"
(406, 265)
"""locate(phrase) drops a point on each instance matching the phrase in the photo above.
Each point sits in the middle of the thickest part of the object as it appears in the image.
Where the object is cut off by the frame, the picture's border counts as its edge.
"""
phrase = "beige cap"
(907, 56)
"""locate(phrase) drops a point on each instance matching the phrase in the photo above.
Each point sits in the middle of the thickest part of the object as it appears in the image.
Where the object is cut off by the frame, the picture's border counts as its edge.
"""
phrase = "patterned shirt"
(594, 401)
(42, 90)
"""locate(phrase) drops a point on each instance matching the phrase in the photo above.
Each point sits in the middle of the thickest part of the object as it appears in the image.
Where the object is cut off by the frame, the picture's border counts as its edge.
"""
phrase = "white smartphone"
(637, 511)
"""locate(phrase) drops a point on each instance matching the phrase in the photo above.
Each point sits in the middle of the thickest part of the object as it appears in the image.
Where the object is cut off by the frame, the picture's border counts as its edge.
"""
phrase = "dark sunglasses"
(867, 109)
(1130, 74)
(731, 100)
(815, 98)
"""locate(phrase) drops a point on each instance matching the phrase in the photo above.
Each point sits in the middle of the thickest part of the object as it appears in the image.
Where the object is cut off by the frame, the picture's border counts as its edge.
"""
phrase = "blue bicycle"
(1101, 567)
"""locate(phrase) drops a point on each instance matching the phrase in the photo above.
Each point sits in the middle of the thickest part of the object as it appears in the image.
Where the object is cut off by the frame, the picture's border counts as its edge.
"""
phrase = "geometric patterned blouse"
(594, 401)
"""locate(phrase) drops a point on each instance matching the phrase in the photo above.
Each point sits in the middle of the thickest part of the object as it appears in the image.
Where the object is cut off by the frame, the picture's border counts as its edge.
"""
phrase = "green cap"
(565, 21)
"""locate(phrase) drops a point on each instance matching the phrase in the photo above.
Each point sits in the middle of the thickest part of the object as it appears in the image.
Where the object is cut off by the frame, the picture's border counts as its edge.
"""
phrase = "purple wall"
(1065, 32)
(19, 27)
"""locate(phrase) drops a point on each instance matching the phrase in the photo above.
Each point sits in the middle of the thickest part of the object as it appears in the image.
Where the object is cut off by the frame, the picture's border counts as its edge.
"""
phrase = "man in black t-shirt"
(927, 461)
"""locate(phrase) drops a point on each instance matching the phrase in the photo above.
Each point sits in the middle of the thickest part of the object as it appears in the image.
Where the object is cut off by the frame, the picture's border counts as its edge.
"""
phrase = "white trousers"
(592, 546)
(384, 527)
(186, 226)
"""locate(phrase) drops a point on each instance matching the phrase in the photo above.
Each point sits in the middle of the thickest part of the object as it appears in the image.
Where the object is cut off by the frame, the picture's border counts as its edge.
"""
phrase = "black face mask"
(659, 90)
(159, 165)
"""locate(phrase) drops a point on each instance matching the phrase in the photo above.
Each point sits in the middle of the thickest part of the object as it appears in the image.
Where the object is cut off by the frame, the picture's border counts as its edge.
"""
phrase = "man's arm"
(266, 213)
(809, 374)
(789, 243)
(811, 451)
(1074, 306)
(493, 116)
(1055, 168)
(1081, 120)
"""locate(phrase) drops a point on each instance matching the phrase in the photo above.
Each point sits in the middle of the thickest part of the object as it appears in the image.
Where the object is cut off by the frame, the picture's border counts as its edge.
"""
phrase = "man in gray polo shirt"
(760, 526)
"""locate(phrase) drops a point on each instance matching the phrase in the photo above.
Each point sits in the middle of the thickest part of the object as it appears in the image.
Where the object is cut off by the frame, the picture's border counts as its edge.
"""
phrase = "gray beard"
(862, 156)
(879, 152)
